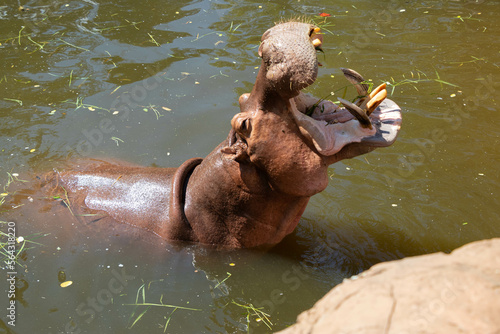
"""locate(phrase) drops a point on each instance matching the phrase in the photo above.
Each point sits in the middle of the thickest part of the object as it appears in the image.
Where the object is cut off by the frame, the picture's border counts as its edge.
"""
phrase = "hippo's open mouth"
(371, 119)
(331, 127)
(290, 64)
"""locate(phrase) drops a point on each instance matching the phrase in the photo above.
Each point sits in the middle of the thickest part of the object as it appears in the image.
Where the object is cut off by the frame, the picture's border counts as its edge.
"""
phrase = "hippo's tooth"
(357, 112)
(362, 103)
(316, 38)
(375, 101)
(356, 79)
(378, 89)
(316, 42)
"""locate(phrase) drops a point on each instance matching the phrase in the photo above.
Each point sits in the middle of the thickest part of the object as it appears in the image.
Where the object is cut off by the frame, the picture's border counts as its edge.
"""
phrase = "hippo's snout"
(288, 51)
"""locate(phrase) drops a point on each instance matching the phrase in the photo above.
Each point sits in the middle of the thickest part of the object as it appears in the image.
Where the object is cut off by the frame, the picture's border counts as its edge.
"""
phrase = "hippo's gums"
(252, 189)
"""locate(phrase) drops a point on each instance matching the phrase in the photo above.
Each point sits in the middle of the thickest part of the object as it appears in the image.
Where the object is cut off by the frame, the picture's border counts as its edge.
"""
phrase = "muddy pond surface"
(155, 83)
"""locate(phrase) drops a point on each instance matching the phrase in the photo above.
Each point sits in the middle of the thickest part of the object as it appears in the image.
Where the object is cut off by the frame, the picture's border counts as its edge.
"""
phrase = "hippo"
(252, 189)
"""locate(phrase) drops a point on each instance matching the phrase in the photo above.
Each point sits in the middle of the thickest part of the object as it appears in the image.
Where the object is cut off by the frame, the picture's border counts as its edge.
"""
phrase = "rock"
(435, 293)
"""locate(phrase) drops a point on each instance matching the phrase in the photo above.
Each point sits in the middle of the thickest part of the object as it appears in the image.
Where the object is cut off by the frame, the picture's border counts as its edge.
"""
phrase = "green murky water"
(156, 83)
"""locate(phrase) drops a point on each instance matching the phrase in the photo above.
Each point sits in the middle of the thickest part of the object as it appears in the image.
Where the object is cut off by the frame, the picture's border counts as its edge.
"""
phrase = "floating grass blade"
(168, 320)
(117, 140)
(231, 29)
(37, 44)
(153, 40)
(165, 305)
(446, 83)
(141, 294)
(72, 45)
(422, 77)
(251, 310)
(4, 255)
(142, 287)
(19, 35)
(14, 100)
(228, 275)
(138, 317)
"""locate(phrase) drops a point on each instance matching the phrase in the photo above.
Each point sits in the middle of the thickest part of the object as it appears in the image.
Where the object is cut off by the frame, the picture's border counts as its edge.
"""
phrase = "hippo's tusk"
(357, 112)
(367, 102)
(375, 101)
(356, 79)
(378, 89)
(363, 102)
(316, 43)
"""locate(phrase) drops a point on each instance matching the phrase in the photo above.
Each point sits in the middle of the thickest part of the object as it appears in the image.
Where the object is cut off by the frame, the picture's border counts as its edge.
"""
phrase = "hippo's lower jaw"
(330, 128)
(330, 137)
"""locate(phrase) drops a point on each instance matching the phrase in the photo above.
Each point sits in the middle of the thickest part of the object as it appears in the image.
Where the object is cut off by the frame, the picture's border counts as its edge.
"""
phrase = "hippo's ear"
(261, 47)
(236, 148)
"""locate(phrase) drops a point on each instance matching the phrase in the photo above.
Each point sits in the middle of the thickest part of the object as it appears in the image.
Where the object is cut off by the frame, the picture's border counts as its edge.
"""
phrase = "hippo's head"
(288, 52)
(274, 134)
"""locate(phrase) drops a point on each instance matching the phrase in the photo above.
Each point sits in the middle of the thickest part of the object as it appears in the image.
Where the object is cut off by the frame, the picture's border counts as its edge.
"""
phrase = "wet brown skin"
(252, 189)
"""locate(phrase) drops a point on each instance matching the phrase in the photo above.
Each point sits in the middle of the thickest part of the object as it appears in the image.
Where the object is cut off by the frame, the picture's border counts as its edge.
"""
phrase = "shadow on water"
(348, 247)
